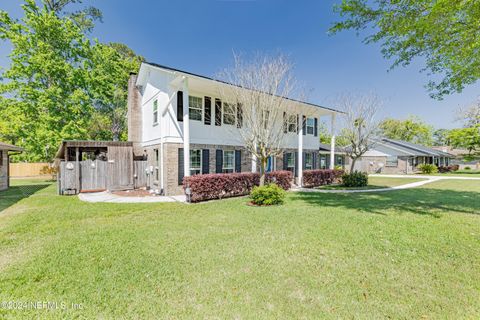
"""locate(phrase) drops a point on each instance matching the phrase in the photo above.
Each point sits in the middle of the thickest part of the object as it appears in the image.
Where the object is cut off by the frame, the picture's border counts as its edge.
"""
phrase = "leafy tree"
(84, 18)
(44, 95)
(444, 33)
(470, 115)
(441, 137)
(466, 138)
(410, 130)
(111, 65)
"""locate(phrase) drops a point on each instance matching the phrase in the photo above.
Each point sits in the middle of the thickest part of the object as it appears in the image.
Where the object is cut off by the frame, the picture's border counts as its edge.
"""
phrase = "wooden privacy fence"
(23, 169)
(97, 175)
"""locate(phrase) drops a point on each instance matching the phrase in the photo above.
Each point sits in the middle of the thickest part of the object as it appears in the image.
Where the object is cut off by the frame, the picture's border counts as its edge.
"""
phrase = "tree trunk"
(263, 165)
(352, 166)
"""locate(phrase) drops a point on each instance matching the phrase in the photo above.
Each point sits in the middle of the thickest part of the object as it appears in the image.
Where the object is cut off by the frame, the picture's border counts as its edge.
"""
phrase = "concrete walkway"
(429, 179)
(113, 198)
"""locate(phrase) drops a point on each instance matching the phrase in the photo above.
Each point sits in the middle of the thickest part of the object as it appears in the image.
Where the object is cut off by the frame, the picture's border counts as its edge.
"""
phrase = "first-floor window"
(195, 162)
(310, 125)
(392, 161)
(291, 161)
(308, 161)
(323, 162)
(195, 108)
(229, 113)
(339, 161)
(228, 161)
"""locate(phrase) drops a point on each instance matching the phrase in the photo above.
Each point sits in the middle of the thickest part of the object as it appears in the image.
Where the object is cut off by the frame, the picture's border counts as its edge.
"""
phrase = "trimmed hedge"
(355, 179)
(225, 185)
(315, 178)
(268, 195)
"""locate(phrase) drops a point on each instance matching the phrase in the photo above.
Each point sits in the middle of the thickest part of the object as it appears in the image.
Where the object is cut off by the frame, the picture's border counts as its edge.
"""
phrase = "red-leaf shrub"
(315, 178)
(225, 185)
(281, 178)
(444, 169)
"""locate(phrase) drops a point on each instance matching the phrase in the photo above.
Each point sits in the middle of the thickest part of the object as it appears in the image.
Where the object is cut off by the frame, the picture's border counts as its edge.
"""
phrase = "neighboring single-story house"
(179, 123)
(460, 154)
(5, 162)
(400, 157)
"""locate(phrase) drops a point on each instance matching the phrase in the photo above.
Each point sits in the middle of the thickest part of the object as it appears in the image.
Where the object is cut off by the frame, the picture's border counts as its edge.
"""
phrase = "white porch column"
(254, 163)
(300, 152)
(186, 130)
(332, 143)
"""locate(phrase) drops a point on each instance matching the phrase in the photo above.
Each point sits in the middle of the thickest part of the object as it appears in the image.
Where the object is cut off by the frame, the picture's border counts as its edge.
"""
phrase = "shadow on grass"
(422, 201)
(16, 193)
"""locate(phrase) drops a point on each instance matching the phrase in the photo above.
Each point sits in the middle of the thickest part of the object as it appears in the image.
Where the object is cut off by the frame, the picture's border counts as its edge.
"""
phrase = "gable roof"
(9, 147)
(156, 65)
(417, 148)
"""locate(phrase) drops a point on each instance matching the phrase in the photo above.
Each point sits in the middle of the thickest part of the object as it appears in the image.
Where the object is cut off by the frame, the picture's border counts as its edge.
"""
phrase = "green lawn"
(402, 254)
(375, 183)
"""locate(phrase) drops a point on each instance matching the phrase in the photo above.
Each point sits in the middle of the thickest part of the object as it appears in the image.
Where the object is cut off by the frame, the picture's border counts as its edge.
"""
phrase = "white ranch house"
(177, 121)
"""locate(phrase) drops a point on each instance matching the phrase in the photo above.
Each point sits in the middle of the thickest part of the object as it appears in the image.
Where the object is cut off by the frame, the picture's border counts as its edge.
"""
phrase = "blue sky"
(200, 36)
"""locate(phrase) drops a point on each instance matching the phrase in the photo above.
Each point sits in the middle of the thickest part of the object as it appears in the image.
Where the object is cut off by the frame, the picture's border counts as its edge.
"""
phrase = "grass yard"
(402, 254)
(376, 183)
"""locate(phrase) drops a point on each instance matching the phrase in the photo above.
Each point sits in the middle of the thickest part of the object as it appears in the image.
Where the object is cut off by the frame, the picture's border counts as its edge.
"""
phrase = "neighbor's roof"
(9, 147)
(417, 148)
(89, 144)
(231, 84)
(326, 148)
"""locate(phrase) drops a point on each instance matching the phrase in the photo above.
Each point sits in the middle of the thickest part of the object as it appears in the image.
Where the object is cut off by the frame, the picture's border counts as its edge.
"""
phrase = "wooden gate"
(92, 175)
(140, 174)
(120, 168)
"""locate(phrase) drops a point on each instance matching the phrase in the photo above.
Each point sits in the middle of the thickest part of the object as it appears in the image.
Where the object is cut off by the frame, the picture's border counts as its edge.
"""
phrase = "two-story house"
(178, 121)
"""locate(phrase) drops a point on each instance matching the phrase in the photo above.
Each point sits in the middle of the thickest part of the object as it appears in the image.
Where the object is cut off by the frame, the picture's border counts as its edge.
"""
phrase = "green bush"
(268, 195)
(355, 179)
(468, 168)
(428, 168)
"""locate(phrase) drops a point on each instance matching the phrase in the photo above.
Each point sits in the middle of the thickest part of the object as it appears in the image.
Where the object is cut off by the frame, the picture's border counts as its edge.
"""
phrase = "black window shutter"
(238, 161)
(181, 169)
(285, 123)
(205, 161)
(208, 111)
(296, 164)
(327, 161)
(314, 158)
(304, 125)
(285, 160)
(218, 112)
(315, 128)
(304, 160)
(180, 105)
(219, 161)
(239, 115)
(298, 122)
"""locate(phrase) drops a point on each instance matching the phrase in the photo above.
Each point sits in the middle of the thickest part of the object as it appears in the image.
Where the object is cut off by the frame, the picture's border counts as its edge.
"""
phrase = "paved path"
(428, 179)
(113, 198)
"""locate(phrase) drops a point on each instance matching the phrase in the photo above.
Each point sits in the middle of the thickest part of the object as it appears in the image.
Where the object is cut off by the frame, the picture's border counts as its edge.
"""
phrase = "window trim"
(224, 169)
(200, 166)
(155, 112)
(310, 127)
(202, 108)
(224, 104)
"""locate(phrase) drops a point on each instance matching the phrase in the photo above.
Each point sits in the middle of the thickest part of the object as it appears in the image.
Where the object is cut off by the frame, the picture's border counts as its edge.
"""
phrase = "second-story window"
(292, 123)
(195, 110)
(229, 113)
(155, 112)
(310, 126)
